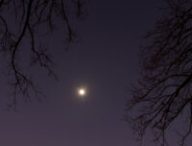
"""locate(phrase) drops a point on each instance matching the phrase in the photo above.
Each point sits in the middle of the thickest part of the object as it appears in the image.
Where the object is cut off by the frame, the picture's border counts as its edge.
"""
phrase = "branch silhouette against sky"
(164, 91)
(23, 24)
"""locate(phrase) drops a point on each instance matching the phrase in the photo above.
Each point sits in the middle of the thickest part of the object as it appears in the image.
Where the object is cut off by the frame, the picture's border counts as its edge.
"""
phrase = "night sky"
(105, 60)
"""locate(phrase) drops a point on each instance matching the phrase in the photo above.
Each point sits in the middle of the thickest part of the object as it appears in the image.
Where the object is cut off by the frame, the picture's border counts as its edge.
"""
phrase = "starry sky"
(105, 60)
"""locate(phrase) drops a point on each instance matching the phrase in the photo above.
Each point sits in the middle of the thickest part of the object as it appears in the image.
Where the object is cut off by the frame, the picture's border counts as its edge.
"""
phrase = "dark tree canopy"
(164, 92)
(21, 22)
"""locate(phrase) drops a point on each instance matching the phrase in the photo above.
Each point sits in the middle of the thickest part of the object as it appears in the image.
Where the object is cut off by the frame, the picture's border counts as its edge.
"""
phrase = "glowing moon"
(82, 92)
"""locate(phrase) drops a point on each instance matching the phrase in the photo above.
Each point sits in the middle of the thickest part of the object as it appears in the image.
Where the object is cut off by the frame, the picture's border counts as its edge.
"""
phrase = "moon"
(82, 92)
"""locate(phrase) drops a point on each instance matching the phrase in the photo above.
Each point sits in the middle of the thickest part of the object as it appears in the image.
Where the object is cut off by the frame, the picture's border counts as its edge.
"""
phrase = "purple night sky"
(105, 59)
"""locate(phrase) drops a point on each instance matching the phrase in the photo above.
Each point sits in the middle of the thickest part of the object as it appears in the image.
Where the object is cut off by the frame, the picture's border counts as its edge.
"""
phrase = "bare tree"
(164, 91)
(21, 22)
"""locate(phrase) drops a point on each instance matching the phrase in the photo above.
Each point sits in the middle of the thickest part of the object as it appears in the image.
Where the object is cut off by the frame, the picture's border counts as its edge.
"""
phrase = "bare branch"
(29, 17)
(164, 90)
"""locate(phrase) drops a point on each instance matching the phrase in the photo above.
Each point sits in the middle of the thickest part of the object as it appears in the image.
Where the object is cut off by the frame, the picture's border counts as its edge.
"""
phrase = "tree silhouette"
(164, 92)
(21, 22)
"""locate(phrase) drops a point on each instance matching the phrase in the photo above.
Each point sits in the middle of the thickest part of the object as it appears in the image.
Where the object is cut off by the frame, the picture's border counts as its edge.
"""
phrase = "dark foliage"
(20, 23)
(164, 92)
